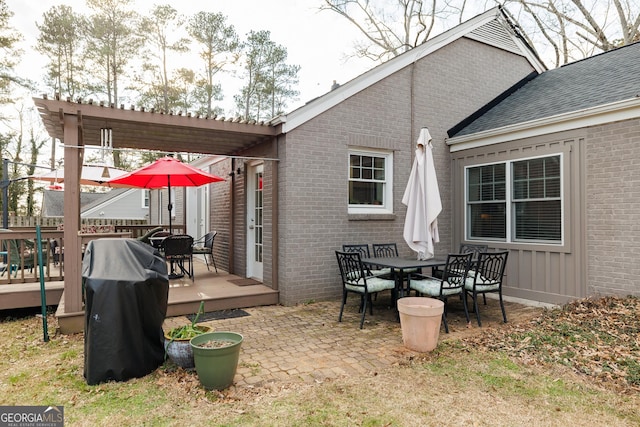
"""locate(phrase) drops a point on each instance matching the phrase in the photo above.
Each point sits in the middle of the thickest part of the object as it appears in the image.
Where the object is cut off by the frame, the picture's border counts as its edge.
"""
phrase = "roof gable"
(491, 27)
(53, 201)
(606, 79)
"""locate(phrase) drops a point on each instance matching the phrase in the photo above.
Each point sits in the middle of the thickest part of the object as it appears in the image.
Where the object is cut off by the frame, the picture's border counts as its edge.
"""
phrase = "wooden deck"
(220, 291)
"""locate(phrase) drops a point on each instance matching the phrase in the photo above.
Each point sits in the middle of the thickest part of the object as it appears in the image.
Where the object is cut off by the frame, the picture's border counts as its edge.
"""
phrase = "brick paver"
(306, 343)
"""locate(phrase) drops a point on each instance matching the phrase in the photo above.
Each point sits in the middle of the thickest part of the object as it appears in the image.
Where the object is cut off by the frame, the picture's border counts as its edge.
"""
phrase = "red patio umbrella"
(165, 172)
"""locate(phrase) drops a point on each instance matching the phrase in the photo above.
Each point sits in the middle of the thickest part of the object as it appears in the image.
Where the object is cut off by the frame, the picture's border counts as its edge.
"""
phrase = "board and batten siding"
(546, 273)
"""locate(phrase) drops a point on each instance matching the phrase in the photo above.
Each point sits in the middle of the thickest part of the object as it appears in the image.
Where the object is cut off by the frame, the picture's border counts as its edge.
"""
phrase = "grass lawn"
(572, 366)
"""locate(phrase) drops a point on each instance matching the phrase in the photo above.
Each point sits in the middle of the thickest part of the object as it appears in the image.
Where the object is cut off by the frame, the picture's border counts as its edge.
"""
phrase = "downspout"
(275, 232)
(412, 109)
(232, 216)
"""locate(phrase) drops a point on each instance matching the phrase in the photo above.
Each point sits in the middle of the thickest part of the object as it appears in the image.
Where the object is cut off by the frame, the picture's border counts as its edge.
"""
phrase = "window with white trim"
(370, 181)
(515, 201)
(145, 198)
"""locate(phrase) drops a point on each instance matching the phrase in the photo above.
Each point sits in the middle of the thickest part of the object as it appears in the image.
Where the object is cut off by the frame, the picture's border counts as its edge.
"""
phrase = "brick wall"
(220, 210)
(613, 208)
(448, 85)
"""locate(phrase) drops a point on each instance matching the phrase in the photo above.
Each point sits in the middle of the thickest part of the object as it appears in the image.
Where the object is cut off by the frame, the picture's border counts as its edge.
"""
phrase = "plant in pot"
(176, 341)
(216, 356)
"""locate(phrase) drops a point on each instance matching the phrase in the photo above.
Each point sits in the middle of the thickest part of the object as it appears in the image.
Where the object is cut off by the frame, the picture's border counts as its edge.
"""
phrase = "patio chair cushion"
(381, 272)
(374, 284)
(482, 284)
(431, 286)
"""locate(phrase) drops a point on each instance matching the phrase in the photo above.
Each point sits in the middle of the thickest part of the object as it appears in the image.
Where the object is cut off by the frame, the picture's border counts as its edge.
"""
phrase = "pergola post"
(73, 155)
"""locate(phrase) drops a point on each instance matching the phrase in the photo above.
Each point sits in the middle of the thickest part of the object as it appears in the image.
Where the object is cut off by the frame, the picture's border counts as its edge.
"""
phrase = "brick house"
(566, 144)
(307, 205)
(288, 201)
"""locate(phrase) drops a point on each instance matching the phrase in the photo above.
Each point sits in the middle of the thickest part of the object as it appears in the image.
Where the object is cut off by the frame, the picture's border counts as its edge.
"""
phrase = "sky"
(317, 41)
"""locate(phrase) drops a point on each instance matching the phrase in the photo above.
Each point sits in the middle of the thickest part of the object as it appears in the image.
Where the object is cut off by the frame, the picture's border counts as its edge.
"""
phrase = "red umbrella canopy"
(166, 172)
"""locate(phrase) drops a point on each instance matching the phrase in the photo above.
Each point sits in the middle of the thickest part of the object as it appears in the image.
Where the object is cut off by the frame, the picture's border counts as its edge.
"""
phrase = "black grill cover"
(126, 292)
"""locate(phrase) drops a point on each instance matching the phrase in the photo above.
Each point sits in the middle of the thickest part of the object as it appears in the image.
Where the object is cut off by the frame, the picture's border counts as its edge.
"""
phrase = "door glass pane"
(257, 231)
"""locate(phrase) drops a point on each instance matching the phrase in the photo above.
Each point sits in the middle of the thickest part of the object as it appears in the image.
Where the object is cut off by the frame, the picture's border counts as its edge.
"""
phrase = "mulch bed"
(598, 338)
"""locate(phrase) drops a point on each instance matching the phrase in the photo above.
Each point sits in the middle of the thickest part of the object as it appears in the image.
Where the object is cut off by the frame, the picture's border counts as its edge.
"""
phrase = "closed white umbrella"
(422, 198)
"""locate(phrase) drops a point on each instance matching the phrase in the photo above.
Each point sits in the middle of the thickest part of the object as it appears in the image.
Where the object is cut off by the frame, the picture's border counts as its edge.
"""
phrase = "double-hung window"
(145, 198)
(370, 181)
(515, 201)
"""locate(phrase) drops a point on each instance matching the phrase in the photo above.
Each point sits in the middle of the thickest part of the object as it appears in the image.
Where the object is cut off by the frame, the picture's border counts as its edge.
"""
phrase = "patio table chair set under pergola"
(78, 125)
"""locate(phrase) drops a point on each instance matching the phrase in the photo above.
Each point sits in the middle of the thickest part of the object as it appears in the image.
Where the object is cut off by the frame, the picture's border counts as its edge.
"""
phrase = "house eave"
(594, 116)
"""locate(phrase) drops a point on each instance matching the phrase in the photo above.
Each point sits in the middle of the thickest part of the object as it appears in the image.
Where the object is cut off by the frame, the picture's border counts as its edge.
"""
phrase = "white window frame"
(146, 198)
(387, 205)
(510, 204)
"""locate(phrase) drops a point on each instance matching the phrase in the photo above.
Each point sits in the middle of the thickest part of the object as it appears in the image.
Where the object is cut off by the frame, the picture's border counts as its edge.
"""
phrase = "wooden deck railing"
(20, 265)
(19, 256)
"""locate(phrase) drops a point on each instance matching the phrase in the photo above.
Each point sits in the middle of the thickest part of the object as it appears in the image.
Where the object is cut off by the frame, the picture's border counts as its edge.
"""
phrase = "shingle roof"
(601, 79)
(53, 201)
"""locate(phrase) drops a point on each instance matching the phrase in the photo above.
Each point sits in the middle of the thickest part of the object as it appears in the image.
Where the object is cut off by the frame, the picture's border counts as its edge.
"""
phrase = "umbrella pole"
(170, 206)
(173, 274)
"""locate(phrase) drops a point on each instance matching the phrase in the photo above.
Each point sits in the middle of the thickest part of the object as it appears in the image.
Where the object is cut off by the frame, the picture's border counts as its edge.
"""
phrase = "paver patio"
(306, 343)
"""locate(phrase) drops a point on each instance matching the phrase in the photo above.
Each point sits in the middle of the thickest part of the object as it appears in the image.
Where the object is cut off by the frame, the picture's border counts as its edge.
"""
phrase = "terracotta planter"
(216, 365)
(420, 320)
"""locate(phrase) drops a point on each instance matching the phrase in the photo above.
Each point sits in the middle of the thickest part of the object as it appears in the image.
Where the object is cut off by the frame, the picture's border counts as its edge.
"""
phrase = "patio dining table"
(399, 264)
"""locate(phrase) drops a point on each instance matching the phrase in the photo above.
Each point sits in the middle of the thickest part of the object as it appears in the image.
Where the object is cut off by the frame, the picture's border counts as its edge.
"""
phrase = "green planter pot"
(216, 366)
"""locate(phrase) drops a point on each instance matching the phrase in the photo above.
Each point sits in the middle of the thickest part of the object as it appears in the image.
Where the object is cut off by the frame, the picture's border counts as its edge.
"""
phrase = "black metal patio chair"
(204, 246)
(178, 250)
(355, 279)
(486, 277)
(363, 249)
(452, 282)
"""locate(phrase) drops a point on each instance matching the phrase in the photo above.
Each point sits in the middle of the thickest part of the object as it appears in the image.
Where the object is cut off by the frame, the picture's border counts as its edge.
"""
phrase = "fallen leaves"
(598, 338)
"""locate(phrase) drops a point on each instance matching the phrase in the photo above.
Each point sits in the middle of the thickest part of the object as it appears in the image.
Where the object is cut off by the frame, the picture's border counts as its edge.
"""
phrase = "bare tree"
(35, 146)
(388, 28)
(576, 29)
(570, 29)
